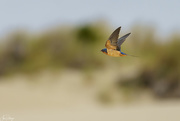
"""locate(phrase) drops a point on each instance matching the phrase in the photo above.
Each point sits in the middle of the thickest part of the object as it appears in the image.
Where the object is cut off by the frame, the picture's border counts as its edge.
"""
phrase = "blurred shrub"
(87, 35)
(161, 73)
(58, 48)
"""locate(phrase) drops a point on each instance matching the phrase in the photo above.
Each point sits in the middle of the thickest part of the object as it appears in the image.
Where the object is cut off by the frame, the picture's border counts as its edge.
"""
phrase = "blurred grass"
(73, 48)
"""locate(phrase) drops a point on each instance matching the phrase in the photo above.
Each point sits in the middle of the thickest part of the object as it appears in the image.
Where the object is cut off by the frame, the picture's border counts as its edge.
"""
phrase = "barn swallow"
(113, 44)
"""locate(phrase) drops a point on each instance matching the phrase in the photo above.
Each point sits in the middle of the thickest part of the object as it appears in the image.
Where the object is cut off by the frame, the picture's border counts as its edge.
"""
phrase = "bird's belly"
(113, 53)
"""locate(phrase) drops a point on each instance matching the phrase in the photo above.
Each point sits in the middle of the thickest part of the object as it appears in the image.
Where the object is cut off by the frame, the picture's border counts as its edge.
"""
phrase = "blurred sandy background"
(51, 67)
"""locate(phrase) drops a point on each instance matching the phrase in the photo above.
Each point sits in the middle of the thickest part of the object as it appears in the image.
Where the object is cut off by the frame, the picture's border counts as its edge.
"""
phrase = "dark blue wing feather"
(121, 40)
(114, 37)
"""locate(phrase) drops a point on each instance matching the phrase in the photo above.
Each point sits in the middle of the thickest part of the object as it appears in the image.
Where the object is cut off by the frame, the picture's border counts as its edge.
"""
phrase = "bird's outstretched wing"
(111, 43)
(121, 40)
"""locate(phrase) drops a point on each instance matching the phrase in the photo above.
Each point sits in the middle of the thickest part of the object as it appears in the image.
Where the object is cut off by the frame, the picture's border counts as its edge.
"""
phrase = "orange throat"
(114, 54)
(105, 53)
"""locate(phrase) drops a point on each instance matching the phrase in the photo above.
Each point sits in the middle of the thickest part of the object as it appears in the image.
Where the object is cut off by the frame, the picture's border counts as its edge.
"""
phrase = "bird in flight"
(113, 44)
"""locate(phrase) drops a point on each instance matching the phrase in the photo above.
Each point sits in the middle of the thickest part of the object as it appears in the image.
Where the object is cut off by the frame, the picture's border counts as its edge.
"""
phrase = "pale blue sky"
(40, 14)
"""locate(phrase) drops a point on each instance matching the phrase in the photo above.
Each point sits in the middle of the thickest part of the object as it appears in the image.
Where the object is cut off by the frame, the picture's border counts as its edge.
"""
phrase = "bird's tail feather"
(132, 55)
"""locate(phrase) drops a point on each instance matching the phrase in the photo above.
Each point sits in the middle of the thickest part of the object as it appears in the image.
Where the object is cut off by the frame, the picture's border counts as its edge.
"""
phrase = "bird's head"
(104, 50)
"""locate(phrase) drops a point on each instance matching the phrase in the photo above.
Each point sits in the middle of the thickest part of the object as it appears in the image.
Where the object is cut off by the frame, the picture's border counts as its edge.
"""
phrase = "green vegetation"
(59, 48)
(79, 48)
